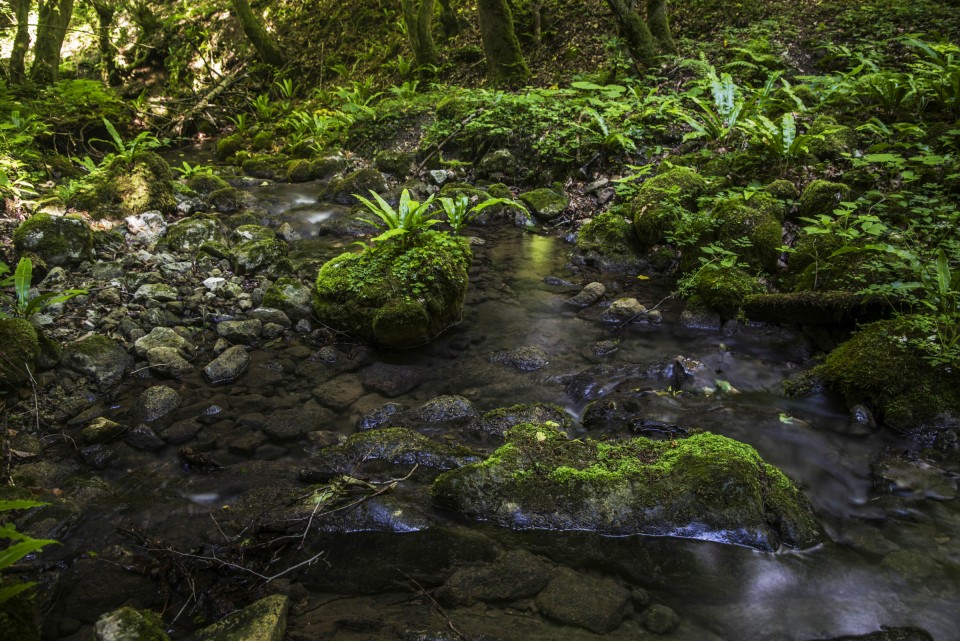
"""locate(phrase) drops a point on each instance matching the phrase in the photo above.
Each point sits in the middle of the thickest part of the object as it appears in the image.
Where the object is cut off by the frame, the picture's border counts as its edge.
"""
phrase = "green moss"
(394, 294)
(757, 220)
(229, 146)
(395, 163)
(263, 140)
(19, 348)
(609, 236)
(18, 616)
(191, 233)
(261, 254)
(545, 203)
(58, 240)
(822, 197)
(228, 200)
(653, 208)
(268, 167)
(327, 166)
(831, 141)
(299, 171)
(725, 288)
(206, 183)
(143, 184)
(362, 182)
(130, 623)
(783, 190)
(806, 308)
(879, 367)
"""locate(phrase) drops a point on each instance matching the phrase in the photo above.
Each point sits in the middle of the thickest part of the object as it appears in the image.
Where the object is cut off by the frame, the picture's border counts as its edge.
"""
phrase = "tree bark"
(21, 41)
(418, 20)
(659, 25)
(640, 41)
(500, 45)
(105, 14)
(448, 19)
(53, 17)
(267, 48)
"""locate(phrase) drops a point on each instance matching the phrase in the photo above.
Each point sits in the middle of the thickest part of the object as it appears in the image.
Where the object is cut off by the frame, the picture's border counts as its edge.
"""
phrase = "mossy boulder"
(343, 191)
(546, 204)
(58, 240)
(396, 294)
(266, 167)
(822, 197)
(830, 141)
(704, 487)
(19, 348)
(881, 367)
(191, 233)
(654, 207)
(291, 297)
(230, 200)
(206, 183)
(395, 163)
(265, 620)
(129, 187)
(100, 358)
(610, 242)
(266, 255)
(757, 220)
(725, 288)
(299, 171)
(830, 308)
(130, 624)
(229, 146)
(393, 447)
(782, 189)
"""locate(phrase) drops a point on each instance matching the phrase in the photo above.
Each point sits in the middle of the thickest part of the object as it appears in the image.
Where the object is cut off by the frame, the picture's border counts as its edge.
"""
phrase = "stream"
(891, 557)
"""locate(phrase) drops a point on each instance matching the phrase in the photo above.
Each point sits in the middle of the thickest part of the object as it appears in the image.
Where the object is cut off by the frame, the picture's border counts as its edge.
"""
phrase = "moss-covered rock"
(291, 297)
(18, 615)
(130, 624)
(654, 207)
(545, 203)
(829, 140)
(393, 447)
(361, 182)
(267, 167)
(610, 242)
(822, 197)
(757, 220)
(265, 620)
(263, 140)
(839, 308)
(396, 294)
(206, 183)
(230, 200)
(228, 147)
(782, 189)
(880, 367)
(267, 255)
(724, 288)
(129, 187)
(102, 359)
(705, 486)
(191, 233)
(19, 348)
(58, 240)
(299, 170)
(395, 163)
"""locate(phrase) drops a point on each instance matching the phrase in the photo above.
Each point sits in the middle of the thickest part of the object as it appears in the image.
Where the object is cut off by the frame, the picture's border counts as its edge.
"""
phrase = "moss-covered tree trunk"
(21, 41)
(500, 45)
(448, 19)
(53, 18)
(659, 24)
(419, 20)
(635, 31)
(267, 48)
(106, 11)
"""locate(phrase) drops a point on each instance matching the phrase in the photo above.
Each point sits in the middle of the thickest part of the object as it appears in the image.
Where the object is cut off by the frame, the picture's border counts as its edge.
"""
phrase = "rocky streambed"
(579, 456)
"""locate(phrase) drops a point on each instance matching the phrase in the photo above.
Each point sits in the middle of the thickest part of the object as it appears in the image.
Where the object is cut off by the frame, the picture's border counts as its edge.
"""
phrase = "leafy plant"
(186, 170)
(20, 546)
(715, 120)
(126, 150)
(409, 218)
(459, 212)
(263, 107)
(22, 305)
(779, 138)
(240, 122)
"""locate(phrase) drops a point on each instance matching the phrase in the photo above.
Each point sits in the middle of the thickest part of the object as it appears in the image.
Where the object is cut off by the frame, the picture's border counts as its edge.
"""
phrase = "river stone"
(339, 393)
(265, 620)
(143, 438)
(99, 358)
(166, 361)
(97, 456)
(145, 229)
(186, 236)
(391, 380)
(890, 634)
(160, 292)
(545, 203)
(385, 415)
(589, 295)
(698, 315)
(515, 575)
(526, 359)
(244, 332)
(181, 431)
(909, 475)
(705, 487)
(101, 430)
(291, 424)
(164, 337)
(227, 367)
(659, 619)
(268, 315)
(498, 421)
(584, 601)
(57, 240)
(130, 624)
(623, 310)
(157, 404)
(392, 447)
(291, 297)
(269, 256)
(445, 409)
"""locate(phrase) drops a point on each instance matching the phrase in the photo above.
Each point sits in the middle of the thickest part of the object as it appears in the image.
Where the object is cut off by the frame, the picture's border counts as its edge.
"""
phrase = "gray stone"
(102, 430)
(291, 297)
(291, 424)
(97, 456)
(391, 380)
(525, 359)
(584, 601)
(98, 357)
(164, 337)
(515, 575)
(145, 229)
(271, 315)
(446, 409)
(697, 315)
(129, 624)
(659, 619)
(227, 367)
(143, 438)
(589, 295)
(624, 310)
(167, 361)
(386, 414)
(339, 393)
(244, 332)
(157, 404)
(265, 620)
(159, 292)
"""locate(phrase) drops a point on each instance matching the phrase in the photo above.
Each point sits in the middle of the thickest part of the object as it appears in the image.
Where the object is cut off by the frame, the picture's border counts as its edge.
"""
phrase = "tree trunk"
(504, 58)
(105, 14)
(21, 42)
(448, 19)
(53, 17)
(419, 22)
(659, 25)
(267, 48)
(635, 31)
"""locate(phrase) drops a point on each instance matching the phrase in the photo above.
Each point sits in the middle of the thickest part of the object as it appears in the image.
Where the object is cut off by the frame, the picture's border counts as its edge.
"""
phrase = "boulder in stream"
(265, 620)
(704, 487)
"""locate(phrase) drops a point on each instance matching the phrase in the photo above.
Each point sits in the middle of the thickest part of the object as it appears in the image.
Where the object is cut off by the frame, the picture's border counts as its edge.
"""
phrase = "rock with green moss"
(344, 191)
(291, 297)
(327, 166)
(267, 256)
(263, 140)
(881, 367)
(230, 200)
(830, 308)
(228, 147)
(191, 233)
(705, 487)
(268, 167)
(130, 624)
(822, 197)
(395, 163)
(128, 187)
(19, 348)
(393, 447)
(546, 204)
(396, 294)
(58, 240)
(724, 288)
(206, 183)
(100, 358)
(500, 420)
(299, 170)
(830, 141)
(610, 242)
(782, 190)
(654, 208)
(265, 620)
(757, 220)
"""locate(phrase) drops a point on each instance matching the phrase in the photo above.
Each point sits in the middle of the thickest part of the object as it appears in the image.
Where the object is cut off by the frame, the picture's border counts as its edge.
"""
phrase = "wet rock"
(130, 624)
(706, 487)
(624, 310)
(58, 240)
(269, 315)
(340, 392)
(181, 431)
(391, 380)
(392, 447)
(904, 474)
(19, 348)
(515, 575)
(914, 565)
(164, 337)
(104, 360)
(143, 438)
(584, 601)
(685, 371)
(97, 456)
(265, 620)
(499, 164)
(382, 416)
(267, 256)
(228, 366)
(498, 421)
(545, 203)
(160, 292)
(145, 229)
(167, 361)
(445, 410)
(862, 420)
(697, 315)
(157, 404)
(659, 619)
(102, 430)
(889, 634)
(291, 424)
(556, 281)
(605, 348)
(592, 293)
(609, 242)
(526, 358)
(244, 332)
(291, 297)
(361, 182)
(186, 236)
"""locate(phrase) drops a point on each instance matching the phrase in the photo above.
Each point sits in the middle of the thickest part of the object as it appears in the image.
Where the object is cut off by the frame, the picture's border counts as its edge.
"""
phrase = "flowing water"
(890, 558)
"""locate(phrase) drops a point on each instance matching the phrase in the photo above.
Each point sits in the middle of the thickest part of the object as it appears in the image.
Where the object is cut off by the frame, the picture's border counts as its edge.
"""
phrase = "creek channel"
(892, 557)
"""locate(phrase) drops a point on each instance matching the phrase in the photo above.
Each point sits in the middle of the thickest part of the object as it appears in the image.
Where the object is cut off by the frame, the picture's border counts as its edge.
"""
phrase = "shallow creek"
(891, 559)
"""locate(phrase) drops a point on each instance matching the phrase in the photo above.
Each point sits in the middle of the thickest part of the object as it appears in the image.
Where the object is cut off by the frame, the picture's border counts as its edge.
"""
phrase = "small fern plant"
(410, 218)
(459, 212)
(19, 546)
(21, 305)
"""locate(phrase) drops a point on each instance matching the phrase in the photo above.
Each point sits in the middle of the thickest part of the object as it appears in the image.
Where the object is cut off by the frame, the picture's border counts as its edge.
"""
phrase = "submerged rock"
(227, 367)
(515, 575)
(584, 601)
(889, 634)
(265, 620)
(526, 359)
(705, 487)
(393, 447)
